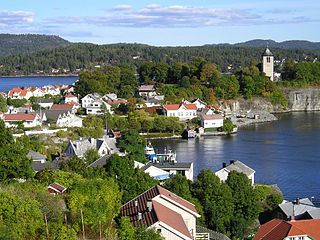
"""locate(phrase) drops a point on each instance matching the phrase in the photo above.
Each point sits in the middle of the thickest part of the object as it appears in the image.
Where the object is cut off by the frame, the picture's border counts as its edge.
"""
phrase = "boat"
(166, 157)
(149, 151)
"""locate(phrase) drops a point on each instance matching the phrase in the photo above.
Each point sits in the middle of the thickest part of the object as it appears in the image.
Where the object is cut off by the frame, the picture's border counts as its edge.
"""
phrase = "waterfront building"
(267, 63)
(211, 120)
(182, 111)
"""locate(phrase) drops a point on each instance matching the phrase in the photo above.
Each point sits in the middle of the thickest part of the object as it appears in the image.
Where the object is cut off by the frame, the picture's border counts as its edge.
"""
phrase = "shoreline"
(25, 76)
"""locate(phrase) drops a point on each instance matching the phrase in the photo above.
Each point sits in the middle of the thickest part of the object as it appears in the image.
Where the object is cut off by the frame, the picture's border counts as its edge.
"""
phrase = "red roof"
(159, 212)
(211, 117)
(177, 106)
(69, 95)
(62, 107)
(20, 117)
(277, 229)
(73, 103)
(170, 218)
(13, 90)
(57, 187)
(129, 208)
(117, 101)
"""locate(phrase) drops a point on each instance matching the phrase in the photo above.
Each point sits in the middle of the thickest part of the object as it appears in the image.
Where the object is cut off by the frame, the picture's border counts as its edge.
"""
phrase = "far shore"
(61, 75)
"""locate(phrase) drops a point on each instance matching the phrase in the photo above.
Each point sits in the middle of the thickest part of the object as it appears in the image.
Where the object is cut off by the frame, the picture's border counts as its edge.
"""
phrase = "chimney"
(136, 203)
(139, 216)
(298, 201)
(231, 161)
(149, 205)
(224, 165)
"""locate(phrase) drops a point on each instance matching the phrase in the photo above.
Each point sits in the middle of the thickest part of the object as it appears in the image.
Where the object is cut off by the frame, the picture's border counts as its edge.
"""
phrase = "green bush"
(274, 200)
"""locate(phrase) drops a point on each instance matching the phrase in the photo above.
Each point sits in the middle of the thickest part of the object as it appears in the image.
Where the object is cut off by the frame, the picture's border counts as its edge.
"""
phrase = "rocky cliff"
(303, 99)
(300, 99)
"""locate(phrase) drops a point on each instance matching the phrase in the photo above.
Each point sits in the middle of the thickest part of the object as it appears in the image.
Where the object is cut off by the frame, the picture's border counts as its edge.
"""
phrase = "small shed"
(56, 188)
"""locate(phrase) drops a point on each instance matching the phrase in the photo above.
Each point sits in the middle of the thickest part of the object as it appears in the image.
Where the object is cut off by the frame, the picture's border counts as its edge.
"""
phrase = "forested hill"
(27, 43)
(293, 44)
(88, 56)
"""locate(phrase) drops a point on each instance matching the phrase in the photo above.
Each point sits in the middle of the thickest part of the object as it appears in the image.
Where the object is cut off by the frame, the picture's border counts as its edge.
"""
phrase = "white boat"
(166, 157)
(149, 150)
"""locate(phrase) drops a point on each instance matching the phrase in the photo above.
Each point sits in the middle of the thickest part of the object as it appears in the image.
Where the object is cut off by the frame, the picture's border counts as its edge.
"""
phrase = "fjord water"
(7, 83)
(284, 152)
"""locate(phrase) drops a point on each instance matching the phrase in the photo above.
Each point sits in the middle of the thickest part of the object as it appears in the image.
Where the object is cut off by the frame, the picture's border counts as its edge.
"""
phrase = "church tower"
(267, 63)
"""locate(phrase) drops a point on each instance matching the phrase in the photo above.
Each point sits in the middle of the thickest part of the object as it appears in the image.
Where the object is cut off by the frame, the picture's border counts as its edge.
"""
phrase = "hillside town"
(93, 151)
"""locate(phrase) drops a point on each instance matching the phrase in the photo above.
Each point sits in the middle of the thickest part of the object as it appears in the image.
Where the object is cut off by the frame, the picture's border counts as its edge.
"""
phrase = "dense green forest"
(292, 44)
(11, 44)
(89, 56)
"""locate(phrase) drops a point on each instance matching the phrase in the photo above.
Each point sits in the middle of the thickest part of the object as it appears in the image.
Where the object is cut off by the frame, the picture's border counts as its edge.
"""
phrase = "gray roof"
(44, 101)
(267, 52)
(240, 167)
(36, 155)
(54, 114)
(294, 209)
(172, 166)
(54, 165)
(212, 234)
(99, 162)
(146, 88)
(314, 213)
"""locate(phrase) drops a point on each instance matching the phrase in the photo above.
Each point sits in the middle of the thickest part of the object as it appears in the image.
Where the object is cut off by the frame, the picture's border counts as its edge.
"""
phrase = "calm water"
(8, 83)
(285, 152)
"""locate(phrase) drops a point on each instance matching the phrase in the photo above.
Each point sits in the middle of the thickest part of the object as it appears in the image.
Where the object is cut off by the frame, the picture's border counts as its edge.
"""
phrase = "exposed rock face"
(254, 104)
(299, 99)
(303, 99)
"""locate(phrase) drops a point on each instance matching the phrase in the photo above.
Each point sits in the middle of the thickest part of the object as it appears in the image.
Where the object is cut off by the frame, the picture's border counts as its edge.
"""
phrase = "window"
(301, 238)
(159, 230)
(268, 59)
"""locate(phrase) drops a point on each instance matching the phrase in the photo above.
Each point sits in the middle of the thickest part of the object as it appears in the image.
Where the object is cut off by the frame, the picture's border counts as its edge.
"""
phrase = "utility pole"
(83, 233)
(24, 226)
(45, 220)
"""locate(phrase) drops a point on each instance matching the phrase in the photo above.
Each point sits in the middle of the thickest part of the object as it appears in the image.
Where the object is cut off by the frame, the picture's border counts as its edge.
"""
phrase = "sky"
(163, 22)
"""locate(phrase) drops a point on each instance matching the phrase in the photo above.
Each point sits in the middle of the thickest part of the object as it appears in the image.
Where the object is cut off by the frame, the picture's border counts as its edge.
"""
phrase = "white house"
(96, 107)
(45, 103)
(28, 119)
(89, 98)
(104, 146)
(147, 90)
(155, 172)
(200, 104)
(164, 211)
(18, 93)
(38, 92)
(70, 98)
(211, 121)
(63, 118)
(69, 120)
(183, 111)
(235, 166)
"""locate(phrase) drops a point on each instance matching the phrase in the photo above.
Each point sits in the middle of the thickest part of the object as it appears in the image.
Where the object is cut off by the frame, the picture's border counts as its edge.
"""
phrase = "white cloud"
(11, 18)
(176, 16)
(123, 7)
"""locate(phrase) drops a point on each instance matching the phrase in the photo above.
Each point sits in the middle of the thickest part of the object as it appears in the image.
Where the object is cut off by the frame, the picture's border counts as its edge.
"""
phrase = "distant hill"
(12, 44)
(293, 44)
(82, 56)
